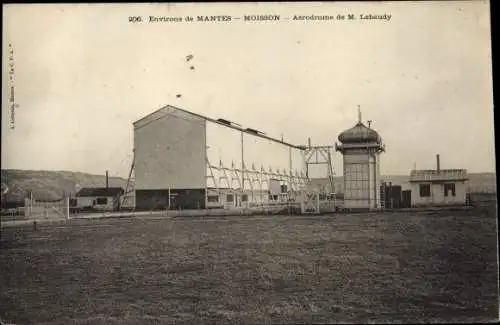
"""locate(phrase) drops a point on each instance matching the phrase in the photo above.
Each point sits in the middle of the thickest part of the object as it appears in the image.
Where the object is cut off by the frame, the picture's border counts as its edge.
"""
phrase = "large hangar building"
(184, 160)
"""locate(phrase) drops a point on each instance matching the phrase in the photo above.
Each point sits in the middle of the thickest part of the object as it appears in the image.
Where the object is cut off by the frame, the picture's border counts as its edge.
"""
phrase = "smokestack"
(309, 142)
(438, 165)
(107, 183)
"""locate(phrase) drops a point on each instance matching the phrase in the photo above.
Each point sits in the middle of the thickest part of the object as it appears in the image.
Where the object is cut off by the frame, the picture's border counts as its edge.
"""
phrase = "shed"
(99, 198)
(438, 187)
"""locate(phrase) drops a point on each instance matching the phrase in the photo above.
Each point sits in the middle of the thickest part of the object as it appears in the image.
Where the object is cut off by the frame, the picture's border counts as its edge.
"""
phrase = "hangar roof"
(224, 122)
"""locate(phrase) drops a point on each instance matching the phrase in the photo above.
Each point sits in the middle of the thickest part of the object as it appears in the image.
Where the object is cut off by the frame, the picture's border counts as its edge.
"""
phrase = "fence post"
(31, 204)
(26, 207)
(67, 208)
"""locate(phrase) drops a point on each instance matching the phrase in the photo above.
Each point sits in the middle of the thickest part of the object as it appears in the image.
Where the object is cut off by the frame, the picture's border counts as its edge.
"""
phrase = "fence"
(314, 202)
(34, 209)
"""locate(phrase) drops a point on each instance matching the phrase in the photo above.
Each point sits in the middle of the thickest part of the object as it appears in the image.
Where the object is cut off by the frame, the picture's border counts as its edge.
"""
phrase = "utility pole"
(290, 167)
(242, 165)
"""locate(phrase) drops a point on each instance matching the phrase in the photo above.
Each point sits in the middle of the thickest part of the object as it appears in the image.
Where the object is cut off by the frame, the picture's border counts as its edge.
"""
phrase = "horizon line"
(126, 177)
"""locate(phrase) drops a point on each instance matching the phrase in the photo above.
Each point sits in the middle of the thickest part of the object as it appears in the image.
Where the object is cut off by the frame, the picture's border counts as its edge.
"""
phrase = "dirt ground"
(350, 268)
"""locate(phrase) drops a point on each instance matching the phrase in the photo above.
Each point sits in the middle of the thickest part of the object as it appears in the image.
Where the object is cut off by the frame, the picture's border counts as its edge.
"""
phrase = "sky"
(84, 73)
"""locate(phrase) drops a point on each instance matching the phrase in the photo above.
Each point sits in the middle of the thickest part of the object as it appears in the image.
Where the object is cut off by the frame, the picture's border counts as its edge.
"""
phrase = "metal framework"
(230, 179)
(320, 155)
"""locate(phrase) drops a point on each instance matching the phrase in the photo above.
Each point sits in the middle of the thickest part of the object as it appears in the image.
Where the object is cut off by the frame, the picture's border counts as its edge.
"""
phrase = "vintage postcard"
(248, 163)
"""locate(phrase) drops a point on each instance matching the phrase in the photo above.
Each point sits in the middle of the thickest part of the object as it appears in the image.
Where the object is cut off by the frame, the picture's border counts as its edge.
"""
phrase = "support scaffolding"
(320, 155)
(129, 191)
(314, 201)
(230, 180)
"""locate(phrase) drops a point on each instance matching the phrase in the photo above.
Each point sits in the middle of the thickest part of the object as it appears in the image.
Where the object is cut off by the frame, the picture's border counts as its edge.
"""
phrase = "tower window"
(425, 190)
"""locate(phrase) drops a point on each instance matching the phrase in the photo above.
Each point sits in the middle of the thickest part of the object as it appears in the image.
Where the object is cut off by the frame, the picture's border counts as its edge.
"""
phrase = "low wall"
(275, 209)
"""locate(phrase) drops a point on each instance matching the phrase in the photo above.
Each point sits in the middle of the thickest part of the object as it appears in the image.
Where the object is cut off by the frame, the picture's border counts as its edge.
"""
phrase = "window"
(101, 200)
(244, 198)
(229, 198)
(449, 187)
(213, 198)
(273, 197)
(425, 190)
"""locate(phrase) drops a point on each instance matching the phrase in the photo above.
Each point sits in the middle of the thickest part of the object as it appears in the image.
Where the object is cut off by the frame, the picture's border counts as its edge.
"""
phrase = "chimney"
(369, 123)
(438, 166)
(107, 183)
(309, 142)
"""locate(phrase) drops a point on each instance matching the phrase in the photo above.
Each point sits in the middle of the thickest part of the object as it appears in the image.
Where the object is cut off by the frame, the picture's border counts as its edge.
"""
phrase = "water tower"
(361, 147)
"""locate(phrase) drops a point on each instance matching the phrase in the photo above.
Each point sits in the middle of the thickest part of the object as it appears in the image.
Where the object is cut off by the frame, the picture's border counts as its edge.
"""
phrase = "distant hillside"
(50, 185)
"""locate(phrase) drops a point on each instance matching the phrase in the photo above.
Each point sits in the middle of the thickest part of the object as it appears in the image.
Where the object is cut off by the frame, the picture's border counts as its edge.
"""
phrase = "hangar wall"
(170, 154)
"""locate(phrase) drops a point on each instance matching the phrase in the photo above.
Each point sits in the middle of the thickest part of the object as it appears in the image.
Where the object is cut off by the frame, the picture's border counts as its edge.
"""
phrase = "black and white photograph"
(248, 163)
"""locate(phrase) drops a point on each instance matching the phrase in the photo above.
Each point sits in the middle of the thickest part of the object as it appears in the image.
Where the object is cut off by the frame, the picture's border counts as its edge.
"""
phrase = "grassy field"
(357, 268)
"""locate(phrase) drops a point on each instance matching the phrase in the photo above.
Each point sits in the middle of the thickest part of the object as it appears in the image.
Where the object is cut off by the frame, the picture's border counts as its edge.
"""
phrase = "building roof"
(433, 175)
(219, 121)
(100, 191)
(359, 134)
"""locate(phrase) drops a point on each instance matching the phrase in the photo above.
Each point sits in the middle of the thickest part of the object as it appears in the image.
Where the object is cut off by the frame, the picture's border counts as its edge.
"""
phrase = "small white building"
(438, 187)
(99, 198)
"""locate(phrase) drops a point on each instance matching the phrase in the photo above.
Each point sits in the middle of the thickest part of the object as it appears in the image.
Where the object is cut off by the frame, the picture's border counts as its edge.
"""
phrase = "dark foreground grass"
(356, 268)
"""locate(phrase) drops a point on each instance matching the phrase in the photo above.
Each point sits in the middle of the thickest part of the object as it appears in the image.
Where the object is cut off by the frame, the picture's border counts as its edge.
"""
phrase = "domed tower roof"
(359, 134)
